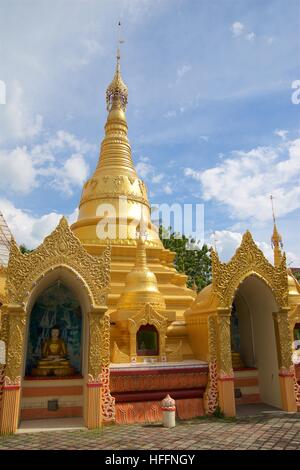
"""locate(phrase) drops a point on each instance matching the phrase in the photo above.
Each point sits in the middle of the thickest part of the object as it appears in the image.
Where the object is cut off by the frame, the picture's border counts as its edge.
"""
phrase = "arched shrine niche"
(54, 345)
(147, 341)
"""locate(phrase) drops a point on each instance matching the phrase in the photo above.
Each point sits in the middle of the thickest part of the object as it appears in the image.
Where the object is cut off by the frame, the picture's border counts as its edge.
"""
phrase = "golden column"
(98, 362)
(286, 367)
(12, 381)
(225, 377)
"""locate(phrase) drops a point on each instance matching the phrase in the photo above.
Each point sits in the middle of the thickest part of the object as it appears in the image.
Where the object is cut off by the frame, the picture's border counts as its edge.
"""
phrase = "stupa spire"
(115, 154)
(114, 196)
(276, 239)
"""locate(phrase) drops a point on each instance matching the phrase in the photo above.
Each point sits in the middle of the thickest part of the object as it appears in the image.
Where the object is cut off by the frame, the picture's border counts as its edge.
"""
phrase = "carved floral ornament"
(248, 260)
(110, 187)
(148, 316)
(60, 249)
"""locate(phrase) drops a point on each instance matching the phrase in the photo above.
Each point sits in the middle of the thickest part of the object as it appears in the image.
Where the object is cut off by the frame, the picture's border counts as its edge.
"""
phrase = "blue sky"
(210, 114)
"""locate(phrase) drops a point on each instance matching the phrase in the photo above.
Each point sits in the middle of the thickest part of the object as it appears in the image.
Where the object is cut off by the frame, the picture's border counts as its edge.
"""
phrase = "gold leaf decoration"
(60, 248)
(248, 260)
(210, 398)
(17, 322)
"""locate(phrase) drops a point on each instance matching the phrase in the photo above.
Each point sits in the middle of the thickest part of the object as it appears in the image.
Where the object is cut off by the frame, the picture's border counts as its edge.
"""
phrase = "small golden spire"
(276, 239)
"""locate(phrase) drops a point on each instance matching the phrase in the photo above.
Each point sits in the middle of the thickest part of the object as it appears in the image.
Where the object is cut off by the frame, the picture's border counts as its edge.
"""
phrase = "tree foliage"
(190, 259)
(24, 249)
(296, 274)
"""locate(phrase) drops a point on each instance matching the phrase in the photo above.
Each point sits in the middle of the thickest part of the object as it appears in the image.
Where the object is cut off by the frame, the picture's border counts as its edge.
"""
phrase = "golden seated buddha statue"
(54, 353)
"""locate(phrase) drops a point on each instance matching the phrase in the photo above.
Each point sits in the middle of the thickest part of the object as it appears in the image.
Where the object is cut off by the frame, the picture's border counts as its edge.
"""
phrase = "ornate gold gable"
(248, 259)
(60, 248)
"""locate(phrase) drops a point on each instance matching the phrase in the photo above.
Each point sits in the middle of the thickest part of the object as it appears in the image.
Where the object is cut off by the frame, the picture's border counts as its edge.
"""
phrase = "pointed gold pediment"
(248, 260)
(60, 248)
(148, 315)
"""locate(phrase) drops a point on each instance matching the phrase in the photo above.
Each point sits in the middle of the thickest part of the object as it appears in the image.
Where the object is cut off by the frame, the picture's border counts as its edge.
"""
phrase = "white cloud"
(196, 175)
(89, 49)
(270, 40)
(180, 73)
(17, 171)
(228, 241)
(16, 121)
(28, 229)
(92, 46)
(147, 171)
(167, 189)
(73, 216)
(183, 70)
(143, 169)
(58, 162)
(250, 36)
(170, 114)
(74, 172)
(157, 178)
(244, 181)
(237, 28)
(281, 133)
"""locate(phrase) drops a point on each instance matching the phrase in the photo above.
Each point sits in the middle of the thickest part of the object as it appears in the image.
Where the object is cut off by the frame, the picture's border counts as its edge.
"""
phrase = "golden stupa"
(141, 333)
(116, 197)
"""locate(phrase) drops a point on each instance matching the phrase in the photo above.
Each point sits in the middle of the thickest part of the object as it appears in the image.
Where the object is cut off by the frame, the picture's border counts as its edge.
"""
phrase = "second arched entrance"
(254, 345)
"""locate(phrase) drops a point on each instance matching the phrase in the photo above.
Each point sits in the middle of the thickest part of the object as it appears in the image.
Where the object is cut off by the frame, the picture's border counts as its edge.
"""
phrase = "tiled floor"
(255, 409)
(267, 430)
(38, 425)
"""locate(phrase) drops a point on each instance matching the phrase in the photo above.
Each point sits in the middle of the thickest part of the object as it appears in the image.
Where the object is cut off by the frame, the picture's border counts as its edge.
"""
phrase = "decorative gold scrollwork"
(60, 248)
(248, 260)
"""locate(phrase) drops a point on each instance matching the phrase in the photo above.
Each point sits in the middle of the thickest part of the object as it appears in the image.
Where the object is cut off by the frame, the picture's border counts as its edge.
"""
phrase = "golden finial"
(117, 91)
(276, 238)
